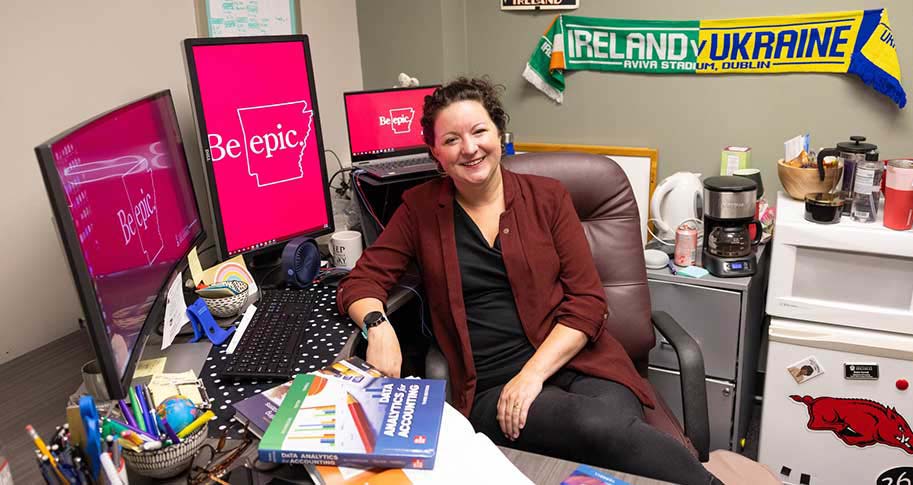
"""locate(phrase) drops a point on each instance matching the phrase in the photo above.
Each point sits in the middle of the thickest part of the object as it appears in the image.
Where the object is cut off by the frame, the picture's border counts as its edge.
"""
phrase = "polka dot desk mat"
(327, 333)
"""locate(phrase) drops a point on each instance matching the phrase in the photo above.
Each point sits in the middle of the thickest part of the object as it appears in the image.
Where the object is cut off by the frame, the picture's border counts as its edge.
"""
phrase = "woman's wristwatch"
(372, 319)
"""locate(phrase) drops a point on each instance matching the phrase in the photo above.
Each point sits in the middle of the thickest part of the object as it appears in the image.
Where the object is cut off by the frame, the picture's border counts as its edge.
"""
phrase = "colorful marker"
(195, 424)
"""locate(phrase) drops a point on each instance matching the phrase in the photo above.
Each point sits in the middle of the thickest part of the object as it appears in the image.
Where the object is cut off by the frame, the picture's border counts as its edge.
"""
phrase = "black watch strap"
(372, 319)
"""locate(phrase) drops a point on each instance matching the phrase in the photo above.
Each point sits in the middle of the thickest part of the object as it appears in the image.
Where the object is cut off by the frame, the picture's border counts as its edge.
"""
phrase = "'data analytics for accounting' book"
(378, 422)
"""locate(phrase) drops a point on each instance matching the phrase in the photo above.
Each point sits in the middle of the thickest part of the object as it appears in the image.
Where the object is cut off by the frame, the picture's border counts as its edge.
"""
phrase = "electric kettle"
(677, 198)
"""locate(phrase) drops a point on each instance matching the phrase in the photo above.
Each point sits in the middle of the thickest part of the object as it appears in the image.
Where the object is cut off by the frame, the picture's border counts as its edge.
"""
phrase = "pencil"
(361, 422)
(43, 448)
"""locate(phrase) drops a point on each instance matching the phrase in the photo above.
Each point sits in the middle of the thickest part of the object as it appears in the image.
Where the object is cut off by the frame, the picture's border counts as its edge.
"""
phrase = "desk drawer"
(720, 399)
(710, 315)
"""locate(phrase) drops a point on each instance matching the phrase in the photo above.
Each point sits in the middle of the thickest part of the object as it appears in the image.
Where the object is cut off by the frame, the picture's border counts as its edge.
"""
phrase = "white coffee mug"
(345, 247)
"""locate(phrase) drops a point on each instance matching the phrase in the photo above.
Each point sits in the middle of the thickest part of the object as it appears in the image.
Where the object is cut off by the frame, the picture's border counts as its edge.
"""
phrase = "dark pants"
(593, 421)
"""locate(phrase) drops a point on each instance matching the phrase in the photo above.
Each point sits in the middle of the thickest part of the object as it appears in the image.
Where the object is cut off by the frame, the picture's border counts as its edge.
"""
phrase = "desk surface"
(540, 469)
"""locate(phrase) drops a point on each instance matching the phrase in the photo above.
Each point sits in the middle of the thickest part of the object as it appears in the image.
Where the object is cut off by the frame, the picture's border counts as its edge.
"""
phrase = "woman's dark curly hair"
(463, 89)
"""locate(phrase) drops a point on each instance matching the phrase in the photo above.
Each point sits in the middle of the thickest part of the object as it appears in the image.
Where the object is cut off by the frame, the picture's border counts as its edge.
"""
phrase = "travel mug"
(898, 195)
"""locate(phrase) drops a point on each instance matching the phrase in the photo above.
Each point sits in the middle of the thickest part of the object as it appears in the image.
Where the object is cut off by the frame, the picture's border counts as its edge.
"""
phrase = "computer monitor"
(122, 196)
(259, 129)
(385, 123)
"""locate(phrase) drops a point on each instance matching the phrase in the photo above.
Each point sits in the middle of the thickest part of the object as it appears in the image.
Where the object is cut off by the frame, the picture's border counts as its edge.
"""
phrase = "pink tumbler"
(898, 195)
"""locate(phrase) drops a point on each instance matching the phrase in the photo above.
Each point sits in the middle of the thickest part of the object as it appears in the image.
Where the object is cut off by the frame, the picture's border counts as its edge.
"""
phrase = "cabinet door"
(710, 315)
(720, 398)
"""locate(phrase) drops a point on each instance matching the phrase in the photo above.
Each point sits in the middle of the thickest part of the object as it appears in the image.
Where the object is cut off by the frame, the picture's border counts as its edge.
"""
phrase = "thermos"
(898, 195)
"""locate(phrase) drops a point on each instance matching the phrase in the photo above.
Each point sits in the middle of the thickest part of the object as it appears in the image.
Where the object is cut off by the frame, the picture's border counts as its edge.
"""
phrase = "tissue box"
(735, 158)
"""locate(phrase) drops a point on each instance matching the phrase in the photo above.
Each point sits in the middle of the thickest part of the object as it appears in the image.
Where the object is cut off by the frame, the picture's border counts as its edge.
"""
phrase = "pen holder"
(168, 461)
(228, 306)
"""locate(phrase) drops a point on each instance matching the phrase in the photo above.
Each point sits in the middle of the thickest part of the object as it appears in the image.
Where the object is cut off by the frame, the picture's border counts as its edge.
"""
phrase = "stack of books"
(350, 425)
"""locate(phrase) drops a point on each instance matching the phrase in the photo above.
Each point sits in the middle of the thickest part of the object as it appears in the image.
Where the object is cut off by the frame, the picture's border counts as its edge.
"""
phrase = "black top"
(500, 348)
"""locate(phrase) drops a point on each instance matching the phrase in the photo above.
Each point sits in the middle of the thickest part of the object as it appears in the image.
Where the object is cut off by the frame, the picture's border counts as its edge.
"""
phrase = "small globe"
(178, 410)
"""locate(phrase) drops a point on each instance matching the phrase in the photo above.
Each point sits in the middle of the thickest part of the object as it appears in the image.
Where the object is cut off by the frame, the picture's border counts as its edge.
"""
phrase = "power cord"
(344, 186)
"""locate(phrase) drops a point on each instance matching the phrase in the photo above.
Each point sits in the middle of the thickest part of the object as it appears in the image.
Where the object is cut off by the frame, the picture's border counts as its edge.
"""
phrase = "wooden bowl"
(798, 182)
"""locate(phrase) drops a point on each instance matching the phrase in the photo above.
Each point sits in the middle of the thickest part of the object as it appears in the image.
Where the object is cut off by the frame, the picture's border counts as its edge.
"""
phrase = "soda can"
(685, 244)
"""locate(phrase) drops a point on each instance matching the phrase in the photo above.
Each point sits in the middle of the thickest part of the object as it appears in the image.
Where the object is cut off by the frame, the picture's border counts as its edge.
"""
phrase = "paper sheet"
(149, 367)
(196, 270)
(164, 386)
(175, 313)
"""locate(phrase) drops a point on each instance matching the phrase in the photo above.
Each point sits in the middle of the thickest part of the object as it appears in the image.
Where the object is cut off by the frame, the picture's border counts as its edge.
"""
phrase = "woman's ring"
(517, 405)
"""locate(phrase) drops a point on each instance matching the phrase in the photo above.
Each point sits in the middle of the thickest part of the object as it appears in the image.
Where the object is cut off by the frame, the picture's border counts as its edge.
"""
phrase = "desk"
(540, 469)
(546, 470)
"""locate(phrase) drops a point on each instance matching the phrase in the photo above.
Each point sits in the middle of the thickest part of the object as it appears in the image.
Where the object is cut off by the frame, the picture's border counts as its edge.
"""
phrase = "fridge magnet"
(899, 474)
(805, 369)
(858, 422)
(855, 371)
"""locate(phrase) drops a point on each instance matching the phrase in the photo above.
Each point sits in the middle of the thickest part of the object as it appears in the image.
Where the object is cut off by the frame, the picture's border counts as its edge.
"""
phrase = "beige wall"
(688, 118)
(63, 62)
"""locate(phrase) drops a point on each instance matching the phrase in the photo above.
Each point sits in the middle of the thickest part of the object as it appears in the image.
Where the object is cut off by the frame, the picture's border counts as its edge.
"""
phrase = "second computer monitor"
(256, 109)
(384, 123)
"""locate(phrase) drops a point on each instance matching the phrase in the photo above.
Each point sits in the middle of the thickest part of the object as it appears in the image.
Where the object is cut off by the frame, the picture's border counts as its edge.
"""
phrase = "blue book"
(587, 475)
(375, 422)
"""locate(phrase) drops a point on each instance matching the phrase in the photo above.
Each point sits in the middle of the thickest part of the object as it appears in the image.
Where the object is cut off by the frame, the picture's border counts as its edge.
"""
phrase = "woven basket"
(228, 306)
(169, 461)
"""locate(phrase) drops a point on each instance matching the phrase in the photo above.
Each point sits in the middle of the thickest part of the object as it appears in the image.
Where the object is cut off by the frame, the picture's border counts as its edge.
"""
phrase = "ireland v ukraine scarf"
(857, 42)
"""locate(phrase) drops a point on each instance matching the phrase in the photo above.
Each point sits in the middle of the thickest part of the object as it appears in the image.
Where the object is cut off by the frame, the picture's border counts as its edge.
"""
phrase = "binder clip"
(202, 322)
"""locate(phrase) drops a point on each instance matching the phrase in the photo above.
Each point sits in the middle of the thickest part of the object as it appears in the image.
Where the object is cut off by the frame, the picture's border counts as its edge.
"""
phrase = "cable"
(344, 186)
(425, 330)
(364, 199)
(699, 233)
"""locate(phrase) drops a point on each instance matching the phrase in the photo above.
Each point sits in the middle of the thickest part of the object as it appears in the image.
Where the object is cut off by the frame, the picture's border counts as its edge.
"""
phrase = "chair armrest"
(436, 367)
(694, 387)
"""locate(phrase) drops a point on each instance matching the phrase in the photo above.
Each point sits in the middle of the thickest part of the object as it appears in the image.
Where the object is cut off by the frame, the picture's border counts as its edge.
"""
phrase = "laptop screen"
(385, 123)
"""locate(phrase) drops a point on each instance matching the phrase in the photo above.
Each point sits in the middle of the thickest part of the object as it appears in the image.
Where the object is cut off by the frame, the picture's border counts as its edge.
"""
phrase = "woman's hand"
(513, 404)
(383, 350)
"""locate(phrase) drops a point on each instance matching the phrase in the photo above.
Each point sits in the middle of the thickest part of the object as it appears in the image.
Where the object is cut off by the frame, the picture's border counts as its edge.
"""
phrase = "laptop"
(385, 131)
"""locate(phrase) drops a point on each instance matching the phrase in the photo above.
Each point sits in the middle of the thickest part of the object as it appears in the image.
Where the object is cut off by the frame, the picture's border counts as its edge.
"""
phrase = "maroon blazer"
(549, 266)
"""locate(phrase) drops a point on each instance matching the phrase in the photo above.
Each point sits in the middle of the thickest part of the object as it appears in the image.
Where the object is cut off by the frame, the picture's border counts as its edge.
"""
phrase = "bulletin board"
(639, 164)
(237, 18)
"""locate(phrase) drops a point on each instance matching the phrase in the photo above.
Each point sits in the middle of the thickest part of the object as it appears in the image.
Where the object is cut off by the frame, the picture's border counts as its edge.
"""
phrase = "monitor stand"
(265, 266)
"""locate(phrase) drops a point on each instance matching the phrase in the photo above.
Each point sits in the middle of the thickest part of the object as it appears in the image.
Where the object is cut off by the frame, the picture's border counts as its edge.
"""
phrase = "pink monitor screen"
(385, 121)
(261, 136)
(128, 191)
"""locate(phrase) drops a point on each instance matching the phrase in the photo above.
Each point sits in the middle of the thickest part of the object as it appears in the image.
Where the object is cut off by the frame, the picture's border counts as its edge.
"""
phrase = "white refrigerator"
(837, 405)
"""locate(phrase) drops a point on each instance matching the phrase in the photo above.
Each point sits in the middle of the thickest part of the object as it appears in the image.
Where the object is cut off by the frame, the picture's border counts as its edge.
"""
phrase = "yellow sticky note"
(196, 270)
(150, 367)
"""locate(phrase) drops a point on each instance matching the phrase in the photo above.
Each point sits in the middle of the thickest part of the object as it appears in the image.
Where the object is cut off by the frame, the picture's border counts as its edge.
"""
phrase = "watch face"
(373, 319)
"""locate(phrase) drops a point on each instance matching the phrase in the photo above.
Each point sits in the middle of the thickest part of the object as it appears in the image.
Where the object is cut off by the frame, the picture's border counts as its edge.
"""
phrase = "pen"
(137, 411)
(170, 431)
(145, 410)
(110, 470)
(150, 404)
(44, 450)
(119, 427)
(128, 416)
(131, 437)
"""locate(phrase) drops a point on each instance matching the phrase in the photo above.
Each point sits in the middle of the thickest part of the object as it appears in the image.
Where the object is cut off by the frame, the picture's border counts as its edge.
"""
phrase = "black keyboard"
(270, 344)
(398, 168)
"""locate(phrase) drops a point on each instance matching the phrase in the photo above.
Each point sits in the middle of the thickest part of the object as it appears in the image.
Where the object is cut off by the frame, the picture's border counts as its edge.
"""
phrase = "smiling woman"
(517, 304)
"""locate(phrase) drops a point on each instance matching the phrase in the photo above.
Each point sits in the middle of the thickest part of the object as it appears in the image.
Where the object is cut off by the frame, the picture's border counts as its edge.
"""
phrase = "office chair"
(606, 206)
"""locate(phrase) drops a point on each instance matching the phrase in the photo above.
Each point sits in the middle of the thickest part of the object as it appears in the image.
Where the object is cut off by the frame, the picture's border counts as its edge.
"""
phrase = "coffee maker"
(729, 208)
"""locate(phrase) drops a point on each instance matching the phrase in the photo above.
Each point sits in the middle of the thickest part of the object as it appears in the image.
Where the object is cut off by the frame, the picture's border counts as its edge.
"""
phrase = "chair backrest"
(606, 206)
